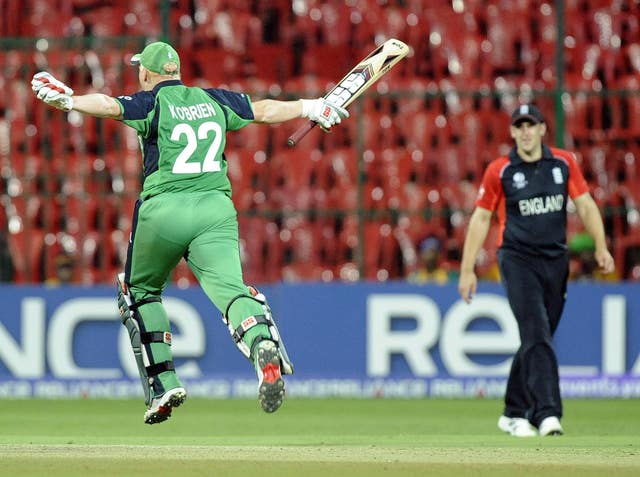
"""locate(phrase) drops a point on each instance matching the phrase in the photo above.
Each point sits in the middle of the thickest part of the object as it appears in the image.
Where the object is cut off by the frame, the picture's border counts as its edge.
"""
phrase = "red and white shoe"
(161, 406)
(270, 382)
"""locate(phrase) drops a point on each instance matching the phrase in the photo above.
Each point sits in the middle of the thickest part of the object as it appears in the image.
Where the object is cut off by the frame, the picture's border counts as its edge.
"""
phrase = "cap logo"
(524, 109)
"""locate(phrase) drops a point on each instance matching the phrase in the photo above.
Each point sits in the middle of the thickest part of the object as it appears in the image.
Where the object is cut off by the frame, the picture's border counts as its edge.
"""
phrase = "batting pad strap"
(247, 324)
(156, 337)
(226, 312)
(144, 301)
(155, 369)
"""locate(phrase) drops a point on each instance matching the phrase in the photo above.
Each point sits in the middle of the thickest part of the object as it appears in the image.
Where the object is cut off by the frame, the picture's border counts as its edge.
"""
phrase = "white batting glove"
(323, 112)
(52, 91)
(43, 79)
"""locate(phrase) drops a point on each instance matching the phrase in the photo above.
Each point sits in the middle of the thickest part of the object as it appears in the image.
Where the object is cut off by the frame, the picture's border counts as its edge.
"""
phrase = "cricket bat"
(356, 81)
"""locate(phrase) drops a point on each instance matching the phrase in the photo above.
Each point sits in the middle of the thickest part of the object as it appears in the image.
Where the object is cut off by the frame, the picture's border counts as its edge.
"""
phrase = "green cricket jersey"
(182, 132)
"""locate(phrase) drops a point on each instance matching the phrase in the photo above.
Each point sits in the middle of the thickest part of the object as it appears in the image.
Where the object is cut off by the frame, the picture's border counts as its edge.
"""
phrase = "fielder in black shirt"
(529, 190)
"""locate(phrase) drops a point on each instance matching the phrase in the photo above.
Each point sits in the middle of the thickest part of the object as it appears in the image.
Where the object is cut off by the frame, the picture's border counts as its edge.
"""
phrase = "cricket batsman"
(185, 212)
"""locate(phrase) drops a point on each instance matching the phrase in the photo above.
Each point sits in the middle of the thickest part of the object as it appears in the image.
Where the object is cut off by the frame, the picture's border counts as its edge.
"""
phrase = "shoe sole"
(553, 433)
(271, 390)
(164, 411)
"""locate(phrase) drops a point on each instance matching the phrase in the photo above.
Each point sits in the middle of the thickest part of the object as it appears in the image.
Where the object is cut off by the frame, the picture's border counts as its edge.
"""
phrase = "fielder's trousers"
(536, 289)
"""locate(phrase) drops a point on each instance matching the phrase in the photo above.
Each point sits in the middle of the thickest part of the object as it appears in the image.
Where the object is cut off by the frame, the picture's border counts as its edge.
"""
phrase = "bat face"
(348, 88)
(363, 75)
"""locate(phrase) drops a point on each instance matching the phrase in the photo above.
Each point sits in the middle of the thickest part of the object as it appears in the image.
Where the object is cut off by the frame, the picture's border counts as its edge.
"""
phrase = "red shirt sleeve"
(577, 183)
(491, 194)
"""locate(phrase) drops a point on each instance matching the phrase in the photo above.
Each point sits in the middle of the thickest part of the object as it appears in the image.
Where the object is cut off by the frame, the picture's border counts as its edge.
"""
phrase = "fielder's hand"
(52, 91)
(605, 261)
(323, 112)
(467, 285)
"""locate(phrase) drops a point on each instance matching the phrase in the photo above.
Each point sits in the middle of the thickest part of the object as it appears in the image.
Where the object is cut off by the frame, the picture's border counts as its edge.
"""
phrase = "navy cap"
(527, 112)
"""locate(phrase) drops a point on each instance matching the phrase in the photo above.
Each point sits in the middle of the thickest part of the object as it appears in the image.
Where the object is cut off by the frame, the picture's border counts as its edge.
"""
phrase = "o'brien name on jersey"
(541, 205)
(191, 113)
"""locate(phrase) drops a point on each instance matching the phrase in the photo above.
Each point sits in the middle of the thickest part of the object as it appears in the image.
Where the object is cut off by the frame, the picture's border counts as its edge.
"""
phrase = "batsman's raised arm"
(57, 94)
(320, 110)
(476, 234)
(271, 111)
(97, 104)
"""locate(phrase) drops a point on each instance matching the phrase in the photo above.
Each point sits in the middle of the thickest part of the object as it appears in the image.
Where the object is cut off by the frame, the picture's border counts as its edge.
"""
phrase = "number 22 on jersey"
(183, 165)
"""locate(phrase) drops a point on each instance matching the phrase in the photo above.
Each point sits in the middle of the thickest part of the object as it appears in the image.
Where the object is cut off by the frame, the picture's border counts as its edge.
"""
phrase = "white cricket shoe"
(550, 426)
(516, 426)
(270, 382)
(504, 424)
(161, 406)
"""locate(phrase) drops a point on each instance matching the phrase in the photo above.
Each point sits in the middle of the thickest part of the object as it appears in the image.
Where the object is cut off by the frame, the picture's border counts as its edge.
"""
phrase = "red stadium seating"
(381, 251)
(26, 248)
(411, 153)
(269, 62)
(261, 249)
(215, 65)
(625, 108)
(327, 61)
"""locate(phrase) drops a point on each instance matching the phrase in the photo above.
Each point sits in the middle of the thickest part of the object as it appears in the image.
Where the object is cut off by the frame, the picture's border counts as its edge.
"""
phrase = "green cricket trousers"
(202, 228)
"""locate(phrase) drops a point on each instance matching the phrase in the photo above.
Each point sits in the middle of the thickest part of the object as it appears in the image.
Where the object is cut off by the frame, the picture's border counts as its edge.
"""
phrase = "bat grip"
(300, 133)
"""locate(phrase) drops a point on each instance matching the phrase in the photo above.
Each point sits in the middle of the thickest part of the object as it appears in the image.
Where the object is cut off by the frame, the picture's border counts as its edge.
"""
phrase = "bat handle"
(300, 133)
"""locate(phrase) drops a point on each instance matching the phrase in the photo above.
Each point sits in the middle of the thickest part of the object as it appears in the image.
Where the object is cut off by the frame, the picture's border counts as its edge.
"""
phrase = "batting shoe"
(550, 426)
(516, 426)
(270, 382)
(161, 406)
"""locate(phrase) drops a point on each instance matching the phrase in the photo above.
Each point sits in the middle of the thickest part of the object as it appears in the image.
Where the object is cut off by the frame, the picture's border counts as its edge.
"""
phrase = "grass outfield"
(327, 437)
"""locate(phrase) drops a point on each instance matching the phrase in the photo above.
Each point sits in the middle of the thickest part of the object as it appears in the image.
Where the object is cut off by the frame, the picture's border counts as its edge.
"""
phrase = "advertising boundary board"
(363, 340)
